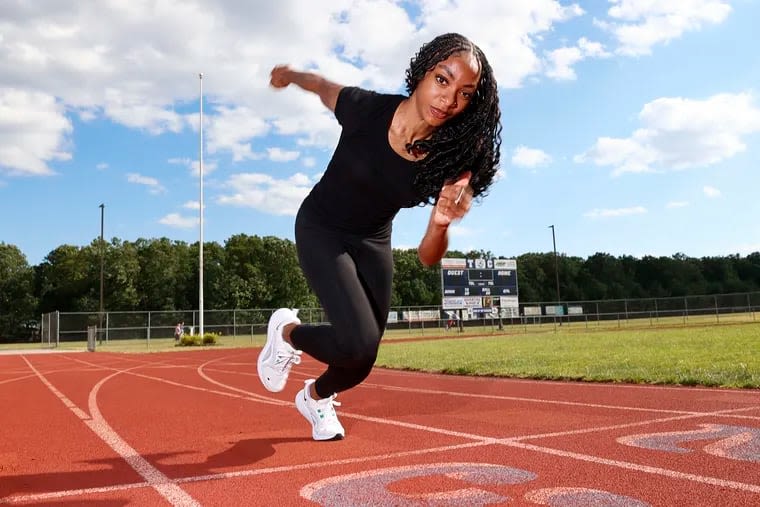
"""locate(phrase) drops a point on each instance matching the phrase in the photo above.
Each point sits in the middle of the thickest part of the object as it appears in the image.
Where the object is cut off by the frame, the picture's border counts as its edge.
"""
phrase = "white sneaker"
(277, 356)
(321, 415)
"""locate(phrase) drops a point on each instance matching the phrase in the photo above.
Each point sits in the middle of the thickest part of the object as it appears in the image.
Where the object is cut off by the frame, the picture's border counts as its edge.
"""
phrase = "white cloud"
(179, 222)
(523, 156)
(154, 187)
(194, 166)
(132, 110)
(102, 166)
(640, 24)
(678, 133)
(561, 60)
(711, 192)
(193, 205)
(676, 204)
(139, 66)
(615, 212)
(267, 194)
(308, 161)
(506, 31)
(34, 131)
(280, 155)
(231, 129)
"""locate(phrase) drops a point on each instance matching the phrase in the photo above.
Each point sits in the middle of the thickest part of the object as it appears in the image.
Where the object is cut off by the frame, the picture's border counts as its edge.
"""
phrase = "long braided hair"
(468, 141)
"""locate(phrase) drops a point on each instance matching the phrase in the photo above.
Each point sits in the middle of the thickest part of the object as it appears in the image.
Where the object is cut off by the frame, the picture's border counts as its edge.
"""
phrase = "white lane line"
(55, 495)
(248, 395)
(479, 441)
(516, 441)
(9, 380)
(712, 481)
(546, 401)
(240, 473)
(95, 421)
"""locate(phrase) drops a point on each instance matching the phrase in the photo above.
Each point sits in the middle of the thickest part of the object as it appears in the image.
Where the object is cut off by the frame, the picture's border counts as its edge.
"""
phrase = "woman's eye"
(440, 79)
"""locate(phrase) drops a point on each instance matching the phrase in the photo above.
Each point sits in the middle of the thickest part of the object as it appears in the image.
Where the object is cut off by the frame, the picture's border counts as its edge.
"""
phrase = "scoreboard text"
(479, 277)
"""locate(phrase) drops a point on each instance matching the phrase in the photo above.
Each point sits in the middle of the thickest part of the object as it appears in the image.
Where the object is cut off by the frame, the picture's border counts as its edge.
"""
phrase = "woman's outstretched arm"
(283, 75)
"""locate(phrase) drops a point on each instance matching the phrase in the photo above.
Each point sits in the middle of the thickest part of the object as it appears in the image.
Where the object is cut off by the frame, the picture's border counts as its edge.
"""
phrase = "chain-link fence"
(649, 312)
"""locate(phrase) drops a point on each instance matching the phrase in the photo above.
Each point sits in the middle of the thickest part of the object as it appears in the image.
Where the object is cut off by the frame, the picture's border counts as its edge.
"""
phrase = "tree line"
(263, 272)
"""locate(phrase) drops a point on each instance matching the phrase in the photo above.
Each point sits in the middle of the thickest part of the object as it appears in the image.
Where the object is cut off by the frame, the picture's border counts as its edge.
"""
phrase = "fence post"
(685, 310)
(148, 328)
(91, 332)
(717, 317)
(656, 312)
(749, 307)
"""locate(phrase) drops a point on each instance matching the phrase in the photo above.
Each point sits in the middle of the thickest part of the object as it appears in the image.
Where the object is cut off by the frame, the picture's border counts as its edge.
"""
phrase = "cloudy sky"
(633, 126)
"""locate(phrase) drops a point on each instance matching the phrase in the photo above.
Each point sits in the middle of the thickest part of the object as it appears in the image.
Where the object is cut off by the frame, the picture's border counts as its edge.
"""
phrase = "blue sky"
(633, 126)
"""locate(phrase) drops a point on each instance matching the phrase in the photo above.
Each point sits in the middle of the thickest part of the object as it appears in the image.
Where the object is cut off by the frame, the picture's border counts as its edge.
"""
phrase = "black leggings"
(352, 276)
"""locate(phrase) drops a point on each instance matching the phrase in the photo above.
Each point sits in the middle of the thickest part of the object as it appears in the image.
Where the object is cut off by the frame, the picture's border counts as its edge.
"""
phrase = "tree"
(17, 302)
(164, 271)
(264, 273)
(64, 281)
(121, 275)
(413, 283)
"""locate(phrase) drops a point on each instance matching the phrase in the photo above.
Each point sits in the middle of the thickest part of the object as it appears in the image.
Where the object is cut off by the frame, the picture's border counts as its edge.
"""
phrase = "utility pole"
(200, 242)
(556, 272)
(102, 269)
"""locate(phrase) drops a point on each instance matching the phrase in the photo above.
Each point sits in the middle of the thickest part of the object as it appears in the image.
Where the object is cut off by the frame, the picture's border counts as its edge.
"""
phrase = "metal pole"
(200, 246)
(102, 269)
(556, 270)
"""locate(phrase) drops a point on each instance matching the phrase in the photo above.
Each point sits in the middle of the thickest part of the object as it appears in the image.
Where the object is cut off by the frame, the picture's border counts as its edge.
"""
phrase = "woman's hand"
(454, 201)
(280, 77)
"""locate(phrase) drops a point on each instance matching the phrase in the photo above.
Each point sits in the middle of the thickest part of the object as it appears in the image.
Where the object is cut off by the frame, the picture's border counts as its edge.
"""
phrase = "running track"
(197, 428)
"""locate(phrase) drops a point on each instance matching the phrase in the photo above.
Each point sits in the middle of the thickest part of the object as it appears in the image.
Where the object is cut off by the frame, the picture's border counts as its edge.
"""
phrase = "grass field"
(703, 354)
(726, 356)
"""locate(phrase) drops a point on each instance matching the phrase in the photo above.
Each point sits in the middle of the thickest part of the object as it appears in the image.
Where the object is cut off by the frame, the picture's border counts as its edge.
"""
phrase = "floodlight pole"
(556, 269)
(200, 245)
(102, 269)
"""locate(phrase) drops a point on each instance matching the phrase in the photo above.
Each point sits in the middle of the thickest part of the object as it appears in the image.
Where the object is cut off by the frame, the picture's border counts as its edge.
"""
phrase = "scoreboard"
(478, 277)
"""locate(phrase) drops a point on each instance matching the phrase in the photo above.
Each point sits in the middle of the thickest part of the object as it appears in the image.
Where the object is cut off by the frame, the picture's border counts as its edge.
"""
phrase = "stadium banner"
(511, 302)
(532, 311)
(554, 310)
(574, 310)
(420, 315)
(455, 303)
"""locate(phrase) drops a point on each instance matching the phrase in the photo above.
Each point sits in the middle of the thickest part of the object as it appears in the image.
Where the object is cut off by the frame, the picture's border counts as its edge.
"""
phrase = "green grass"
(725, 356)
(709, 355)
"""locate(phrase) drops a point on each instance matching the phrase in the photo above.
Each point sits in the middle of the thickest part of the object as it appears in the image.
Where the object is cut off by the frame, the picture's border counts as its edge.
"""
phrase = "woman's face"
(447, 88)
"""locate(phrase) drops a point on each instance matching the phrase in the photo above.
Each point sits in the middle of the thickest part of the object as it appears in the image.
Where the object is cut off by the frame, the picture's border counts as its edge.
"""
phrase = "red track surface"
(197, 428)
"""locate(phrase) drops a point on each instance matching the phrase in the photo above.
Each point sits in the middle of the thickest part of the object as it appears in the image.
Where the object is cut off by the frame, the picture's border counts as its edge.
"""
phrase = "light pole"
(200, 245)
(556, 270)
(102, 264)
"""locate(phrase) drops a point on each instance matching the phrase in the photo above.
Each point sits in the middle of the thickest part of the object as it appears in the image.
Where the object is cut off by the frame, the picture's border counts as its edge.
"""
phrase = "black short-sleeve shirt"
(366, 183)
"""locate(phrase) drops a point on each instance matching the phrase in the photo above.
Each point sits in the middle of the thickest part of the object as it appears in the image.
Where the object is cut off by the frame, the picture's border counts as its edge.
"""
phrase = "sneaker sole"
(266, 352)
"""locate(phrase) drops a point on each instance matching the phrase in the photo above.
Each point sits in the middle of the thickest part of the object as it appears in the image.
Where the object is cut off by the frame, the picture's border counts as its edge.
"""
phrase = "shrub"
(198, 340)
